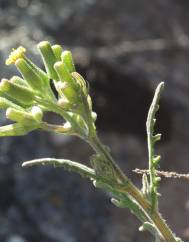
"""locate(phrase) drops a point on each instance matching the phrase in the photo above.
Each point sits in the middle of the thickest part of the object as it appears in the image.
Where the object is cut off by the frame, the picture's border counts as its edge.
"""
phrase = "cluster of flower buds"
(26, 98)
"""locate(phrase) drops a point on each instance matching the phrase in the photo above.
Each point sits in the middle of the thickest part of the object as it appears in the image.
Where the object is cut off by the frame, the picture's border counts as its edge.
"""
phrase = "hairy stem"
(99, 148)
(151, 140)
(125, 186)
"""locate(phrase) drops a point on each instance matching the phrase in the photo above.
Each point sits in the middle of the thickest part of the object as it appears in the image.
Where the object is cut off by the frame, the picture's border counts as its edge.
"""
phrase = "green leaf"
(151, 140)
(69, 165)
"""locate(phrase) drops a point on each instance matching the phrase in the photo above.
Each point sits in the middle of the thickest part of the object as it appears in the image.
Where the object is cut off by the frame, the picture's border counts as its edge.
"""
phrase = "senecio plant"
(27, 98)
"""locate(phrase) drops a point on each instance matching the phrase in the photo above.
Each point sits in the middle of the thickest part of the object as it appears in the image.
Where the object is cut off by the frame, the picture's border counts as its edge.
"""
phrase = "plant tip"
(15, 55)
(43, 44)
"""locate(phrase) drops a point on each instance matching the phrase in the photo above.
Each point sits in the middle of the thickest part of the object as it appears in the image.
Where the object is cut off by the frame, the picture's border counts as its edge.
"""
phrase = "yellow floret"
(15, 55)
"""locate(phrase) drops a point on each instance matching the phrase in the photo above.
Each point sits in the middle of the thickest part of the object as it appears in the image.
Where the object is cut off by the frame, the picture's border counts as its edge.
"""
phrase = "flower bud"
(19, 116)
(37, 113)
(21, 94)
(18, 80)
(80, 80)
(64, 89)
(49, 59)
(15, 54)
(57, 50)
(68, 60)
(29, 74)
(19, 53)
(43, 76)
(15, 129)
(5, 103)
(63, 73)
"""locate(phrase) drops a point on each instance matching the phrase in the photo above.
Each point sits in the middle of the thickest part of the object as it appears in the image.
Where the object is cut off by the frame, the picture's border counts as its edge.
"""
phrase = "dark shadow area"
(122, 101)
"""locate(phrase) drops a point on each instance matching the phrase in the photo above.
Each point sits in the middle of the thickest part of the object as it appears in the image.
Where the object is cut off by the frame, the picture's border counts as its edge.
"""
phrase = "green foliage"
(152, 139)
(26, 100)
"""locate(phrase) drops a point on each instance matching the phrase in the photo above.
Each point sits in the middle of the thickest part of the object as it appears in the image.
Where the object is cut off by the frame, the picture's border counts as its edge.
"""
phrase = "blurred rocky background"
(124, 49)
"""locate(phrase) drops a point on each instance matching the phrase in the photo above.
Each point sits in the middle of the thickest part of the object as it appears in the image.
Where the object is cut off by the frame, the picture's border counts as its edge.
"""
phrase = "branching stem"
(125, 186)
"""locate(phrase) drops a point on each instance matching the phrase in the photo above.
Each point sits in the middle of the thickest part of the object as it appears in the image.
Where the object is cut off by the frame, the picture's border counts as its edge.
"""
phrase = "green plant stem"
(156, 218)
(56, 109)
(151, 140)
(125, 186)
(99, 148)
(87, 116)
